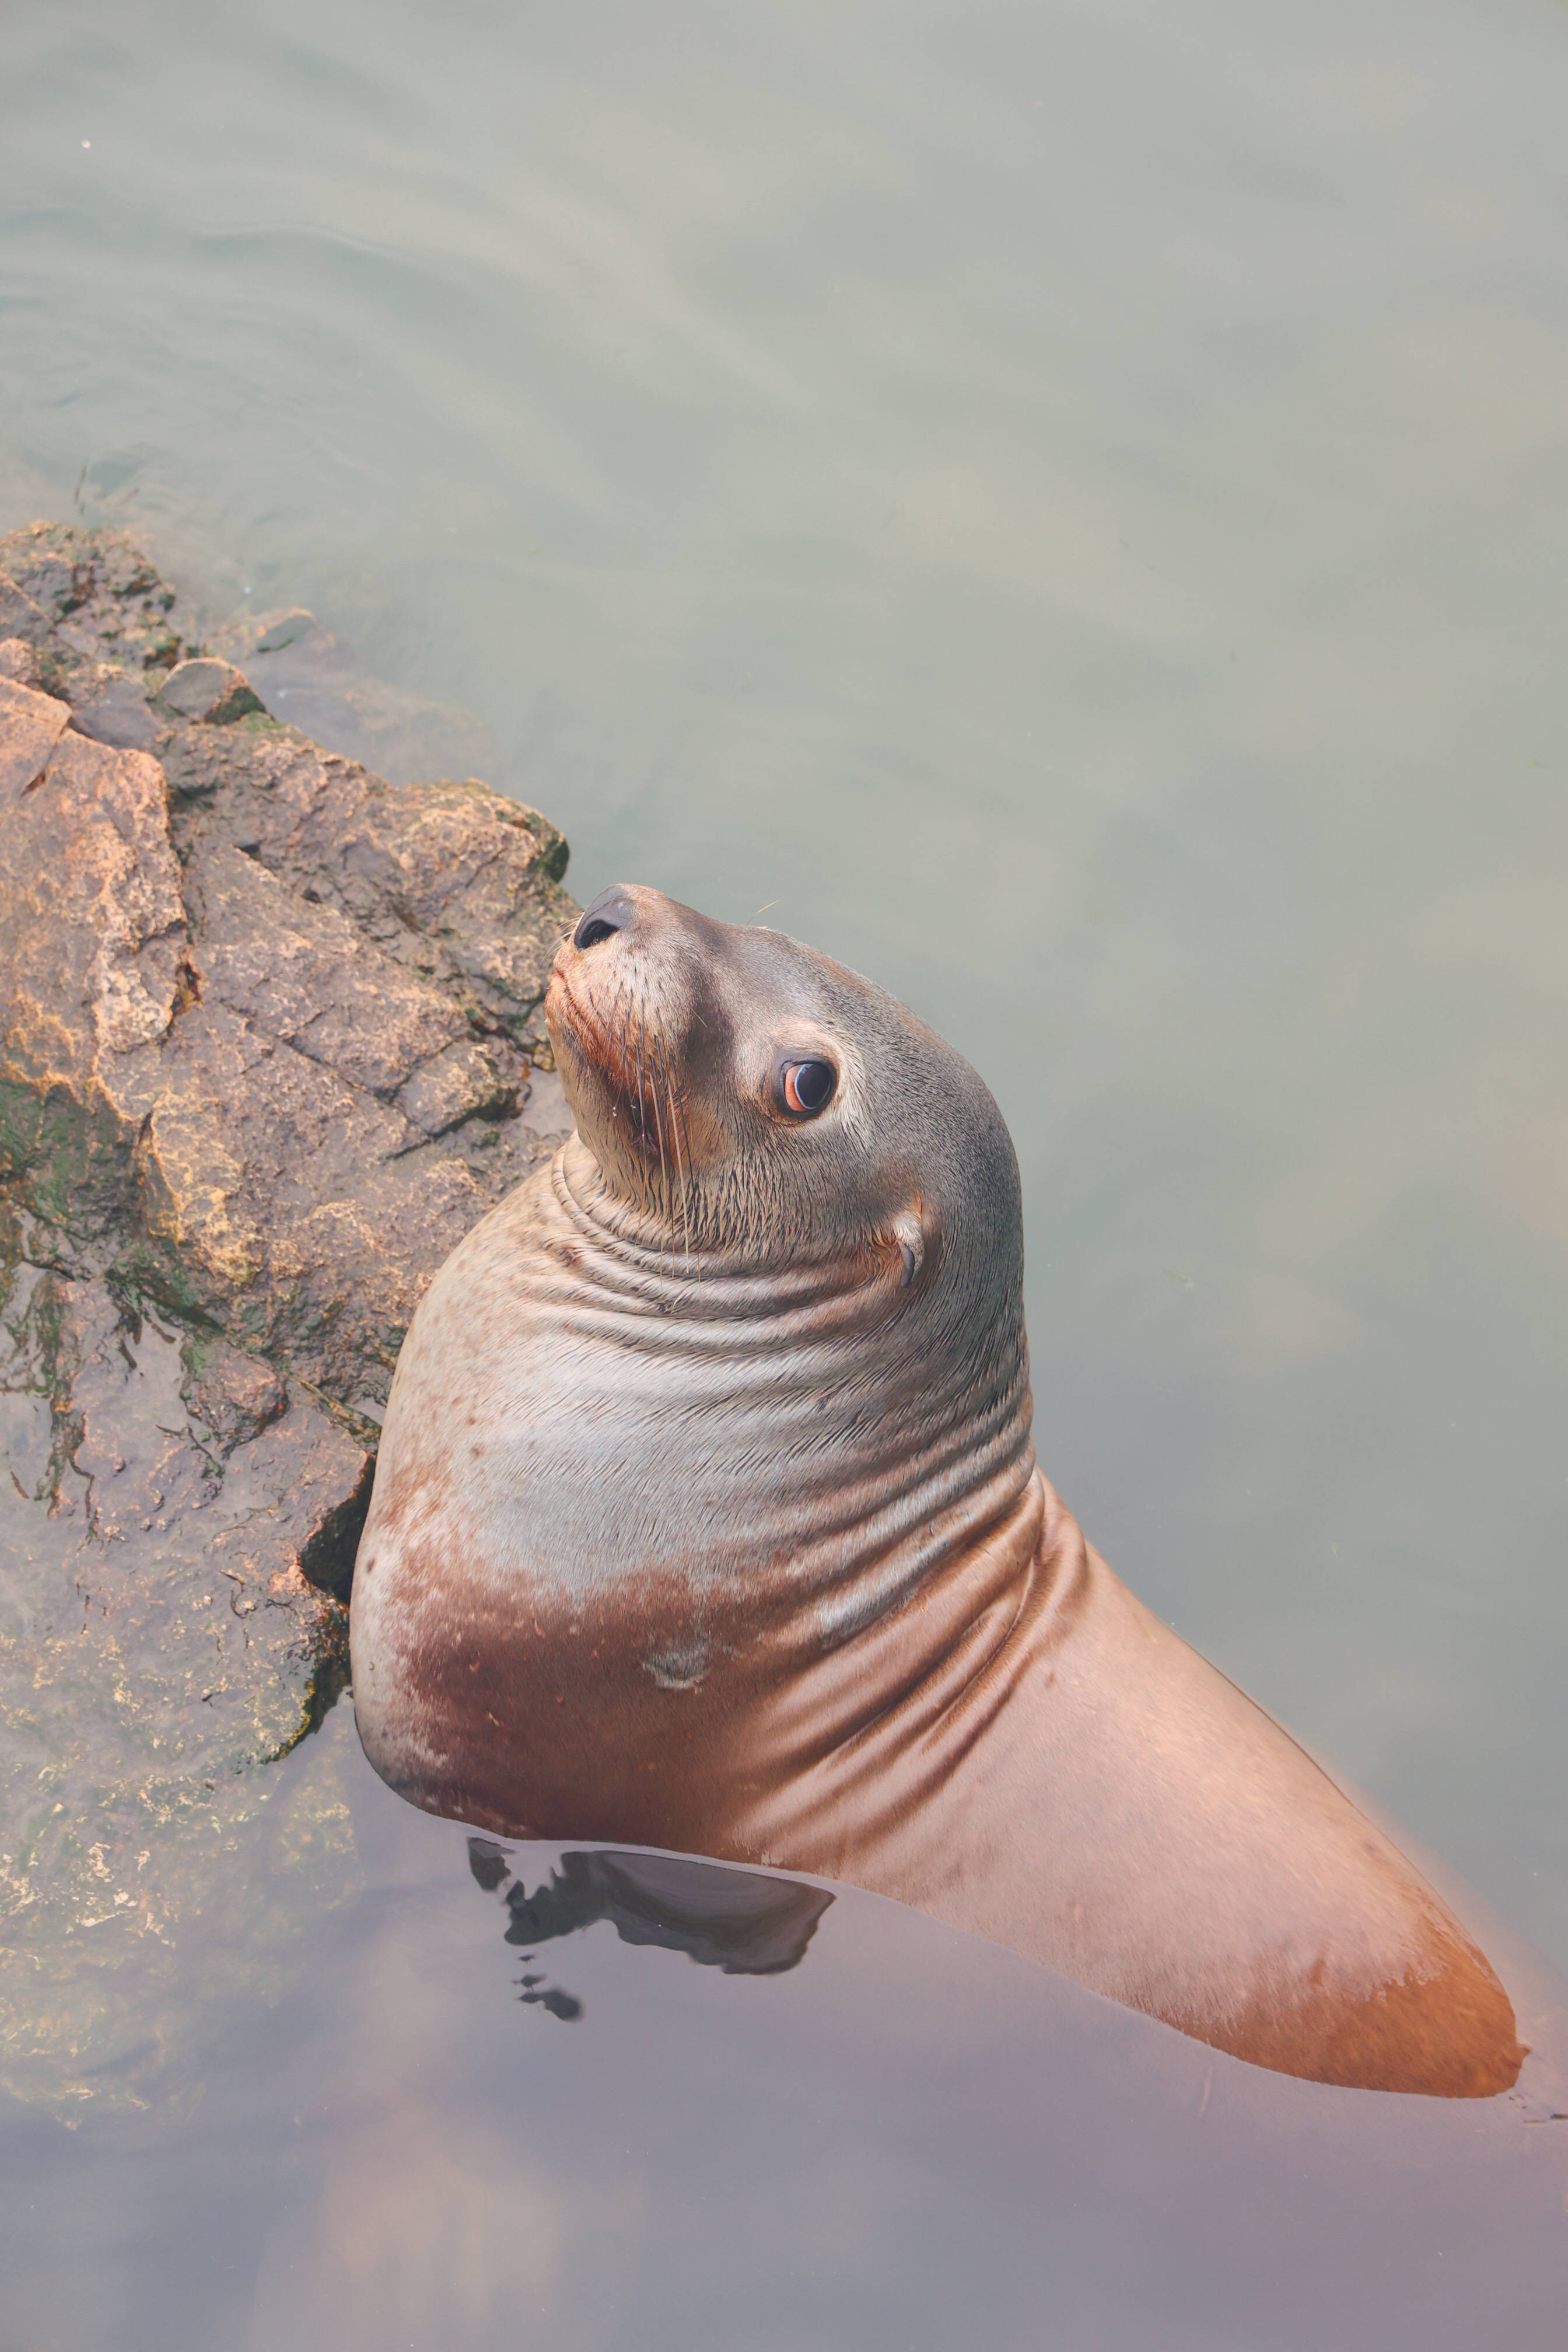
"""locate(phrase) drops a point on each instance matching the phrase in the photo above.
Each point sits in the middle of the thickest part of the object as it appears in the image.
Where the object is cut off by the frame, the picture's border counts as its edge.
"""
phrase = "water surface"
(1066, 508)
(745, 2116)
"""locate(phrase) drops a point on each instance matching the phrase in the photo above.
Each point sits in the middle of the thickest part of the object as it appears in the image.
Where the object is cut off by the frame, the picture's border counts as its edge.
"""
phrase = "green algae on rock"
(269, 1032)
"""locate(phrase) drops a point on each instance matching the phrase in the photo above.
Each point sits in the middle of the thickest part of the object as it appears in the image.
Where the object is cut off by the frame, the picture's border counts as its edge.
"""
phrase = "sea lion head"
(748, 1098)
(725, 1387)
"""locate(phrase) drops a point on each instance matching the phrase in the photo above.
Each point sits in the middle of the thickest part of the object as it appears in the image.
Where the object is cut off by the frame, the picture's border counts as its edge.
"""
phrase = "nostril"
(610, 912)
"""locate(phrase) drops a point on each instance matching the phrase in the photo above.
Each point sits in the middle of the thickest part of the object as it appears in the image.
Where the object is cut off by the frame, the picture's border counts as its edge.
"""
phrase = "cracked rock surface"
(270, 1041)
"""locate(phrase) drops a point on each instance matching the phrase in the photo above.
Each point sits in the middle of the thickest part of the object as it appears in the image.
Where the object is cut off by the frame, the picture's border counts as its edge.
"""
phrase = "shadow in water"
(739, 1921)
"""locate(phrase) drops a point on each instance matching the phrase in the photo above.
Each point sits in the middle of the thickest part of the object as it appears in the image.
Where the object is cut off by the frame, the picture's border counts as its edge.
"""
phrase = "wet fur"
(707, 1518)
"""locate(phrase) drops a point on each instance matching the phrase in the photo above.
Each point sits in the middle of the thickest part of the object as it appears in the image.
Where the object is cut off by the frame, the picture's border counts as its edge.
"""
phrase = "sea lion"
(707, 1517)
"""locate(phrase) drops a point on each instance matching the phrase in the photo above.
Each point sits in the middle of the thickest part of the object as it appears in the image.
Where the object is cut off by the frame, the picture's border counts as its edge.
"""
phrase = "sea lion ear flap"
(908, 1231)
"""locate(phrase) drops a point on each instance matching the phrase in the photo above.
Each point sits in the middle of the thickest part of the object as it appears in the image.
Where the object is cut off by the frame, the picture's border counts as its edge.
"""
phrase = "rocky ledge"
(271, 1042)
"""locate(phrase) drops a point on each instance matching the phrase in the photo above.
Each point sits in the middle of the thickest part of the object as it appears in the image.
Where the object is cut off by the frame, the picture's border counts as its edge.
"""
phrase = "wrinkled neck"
(659, 1541)
(814, 1438)
(675, 1236)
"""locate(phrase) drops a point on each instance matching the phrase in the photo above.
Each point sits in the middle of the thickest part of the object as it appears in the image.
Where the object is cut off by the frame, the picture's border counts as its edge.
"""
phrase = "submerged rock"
(270, 1041)
(213, 690)
(303, 674)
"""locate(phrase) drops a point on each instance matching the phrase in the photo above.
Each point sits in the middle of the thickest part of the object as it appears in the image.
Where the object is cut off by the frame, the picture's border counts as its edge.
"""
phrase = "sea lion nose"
(610, 912)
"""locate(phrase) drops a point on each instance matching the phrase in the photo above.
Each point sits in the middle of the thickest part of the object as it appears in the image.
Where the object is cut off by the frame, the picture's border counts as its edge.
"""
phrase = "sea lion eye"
(806, 1088)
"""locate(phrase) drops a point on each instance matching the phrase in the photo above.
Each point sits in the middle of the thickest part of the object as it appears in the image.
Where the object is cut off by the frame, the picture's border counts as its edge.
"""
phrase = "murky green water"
(1066, 508)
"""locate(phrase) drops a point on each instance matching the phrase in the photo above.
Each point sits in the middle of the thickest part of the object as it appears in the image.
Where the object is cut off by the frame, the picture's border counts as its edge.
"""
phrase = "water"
(1066, 509)
(903, 2137)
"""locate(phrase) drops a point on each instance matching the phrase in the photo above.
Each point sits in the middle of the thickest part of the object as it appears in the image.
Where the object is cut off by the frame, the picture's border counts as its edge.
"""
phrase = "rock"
(463, 1082)
(304, 676)
(92, 928)
(545, 1111)
(18, 662)
(268, 1029)
(118, 713)
(214, 691)
(444, 878)
(93, 585)
(20, 618)
(30, 726)
(276, 631)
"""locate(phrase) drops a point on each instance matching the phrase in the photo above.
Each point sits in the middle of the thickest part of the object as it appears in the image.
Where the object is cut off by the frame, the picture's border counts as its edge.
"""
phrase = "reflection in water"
(740, 1921)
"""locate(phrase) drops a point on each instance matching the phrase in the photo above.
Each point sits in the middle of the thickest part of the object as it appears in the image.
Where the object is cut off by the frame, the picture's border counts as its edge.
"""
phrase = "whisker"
(642, 1042)
(675, 1123)
(658, 1121)
(691, 1198)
